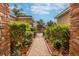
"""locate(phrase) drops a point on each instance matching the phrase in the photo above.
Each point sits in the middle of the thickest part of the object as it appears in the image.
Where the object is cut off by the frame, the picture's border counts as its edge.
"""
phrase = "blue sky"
(45, 11)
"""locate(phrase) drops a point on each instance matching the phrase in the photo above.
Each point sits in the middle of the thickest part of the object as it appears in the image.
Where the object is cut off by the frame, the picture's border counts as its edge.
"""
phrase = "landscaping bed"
(21, 38)
(49, 46)
(52, 50)
(57, 37)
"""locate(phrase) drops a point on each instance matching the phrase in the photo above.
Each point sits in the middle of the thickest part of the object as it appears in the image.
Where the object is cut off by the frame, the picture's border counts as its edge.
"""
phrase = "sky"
(44, 11)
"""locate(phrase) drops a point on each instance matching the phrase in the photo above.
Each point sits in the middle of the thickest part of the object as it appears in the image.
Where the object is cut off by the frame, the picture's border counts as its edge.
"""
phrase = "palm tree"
(40, 22)
(50, 23)
(40, 25)
(17, 11)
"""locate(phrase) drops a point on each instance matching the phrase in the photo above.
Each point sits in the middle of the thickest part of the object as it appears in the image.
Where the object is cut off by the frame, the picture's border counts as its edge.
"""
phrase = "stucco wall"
(25, 19)
(74, 40)
(64, 19)
(4, 30)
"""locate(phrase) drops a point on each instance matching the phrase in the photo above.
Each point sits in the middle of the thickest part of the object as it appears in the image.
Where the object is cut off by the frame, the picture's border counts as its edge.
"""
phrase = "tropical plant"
(59, 36)
(50, 23)
(40, 23)
(57, 44)
(21, 36)
(17, 11)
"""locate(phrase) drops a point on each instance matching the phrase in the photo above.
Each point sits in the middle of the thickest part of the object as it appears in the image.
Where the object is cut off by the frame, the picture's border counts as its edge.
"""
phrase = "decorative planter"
(24, 51)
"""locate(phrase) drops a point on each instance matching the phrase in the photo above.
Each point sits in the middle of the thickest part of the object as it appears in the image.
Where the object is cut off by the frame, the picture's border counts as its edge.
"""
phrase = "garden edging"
(48, 47)
(29, 48)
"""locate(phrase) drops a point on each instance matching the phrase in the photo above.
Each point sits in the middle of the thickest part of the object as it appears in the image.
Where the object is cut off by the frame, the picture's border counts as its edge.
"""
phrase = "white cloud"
(40, 8)
(58, 7)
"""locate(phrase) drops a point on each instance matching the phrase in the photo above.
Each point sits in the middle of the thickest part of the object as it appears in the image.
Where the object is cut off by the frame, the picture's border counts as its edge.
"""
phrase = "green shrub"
(21, 36)
(34, 30)
(58, 34)
(57, 45)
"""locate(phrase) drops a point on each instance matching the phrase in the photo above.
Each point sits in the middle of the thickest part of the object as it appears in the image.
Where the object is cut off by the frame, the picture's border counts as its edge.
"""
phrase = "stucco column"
(5, 39)
(74, 37)
(4, 32)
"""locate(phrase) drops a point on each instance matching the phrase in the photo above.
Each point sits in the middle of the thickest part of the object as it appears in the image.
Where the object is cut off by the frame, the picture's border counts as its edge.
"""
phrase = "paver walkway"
(39, 47)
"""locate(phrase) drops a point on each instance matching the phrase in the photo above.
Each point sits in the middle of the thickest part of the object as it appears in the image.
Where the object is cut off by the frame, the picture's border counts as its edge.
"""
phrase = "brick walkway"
(39, 47)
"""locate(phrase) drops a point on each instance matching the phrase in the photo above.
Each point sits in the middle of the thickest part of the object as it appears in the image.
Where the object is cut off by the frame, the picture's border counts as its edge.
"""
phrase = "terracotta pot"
(24, 51)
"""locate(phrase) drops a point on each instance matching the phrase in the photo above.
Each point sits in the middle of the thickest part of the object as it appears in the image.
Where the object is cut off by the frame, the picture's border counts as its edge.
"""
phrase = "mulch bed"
(50, 48)
(53, 51)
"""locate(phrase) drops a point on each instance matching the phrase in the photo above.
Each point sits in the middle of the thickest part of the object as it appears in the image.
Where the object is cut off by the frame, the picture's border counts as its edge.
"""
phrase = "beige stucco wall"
(4, 30)
(64, 19)
(74, 30)
(26, 20)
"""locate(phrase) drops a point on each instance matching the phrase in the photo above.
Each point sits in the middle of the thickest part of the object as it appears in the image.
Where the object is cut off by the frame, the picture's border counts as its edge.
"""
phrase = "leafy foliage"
(17, 11)
(57, 45)
(21, 36)
(59, 36)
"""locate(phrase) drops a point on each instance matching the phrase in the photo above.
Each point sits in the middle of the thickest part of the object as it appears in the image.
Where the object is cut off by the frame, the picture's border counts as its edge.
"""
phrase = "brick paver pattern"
(39, 47)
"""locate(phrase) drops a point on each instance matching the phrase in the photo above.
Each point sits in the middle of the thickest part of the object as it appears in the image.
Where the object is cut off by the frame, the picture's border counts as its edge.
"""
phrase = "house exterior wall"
(4, 29)
(25, 19)
(74, 41)
(64, 19)
(12, 18)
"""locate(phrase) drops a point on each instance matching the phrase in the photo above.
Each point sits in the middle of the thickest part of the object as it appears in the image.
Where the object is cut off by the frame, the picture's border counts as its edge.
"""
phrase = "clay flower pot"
(24, 51)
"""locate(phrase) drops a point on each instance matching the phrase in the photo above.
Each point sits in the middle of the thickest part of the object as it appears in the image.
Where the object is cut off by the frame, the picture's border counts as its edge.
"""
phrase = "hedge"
(21, 36)
(59, 36)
